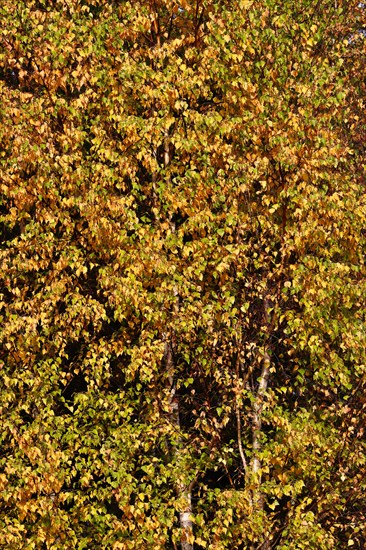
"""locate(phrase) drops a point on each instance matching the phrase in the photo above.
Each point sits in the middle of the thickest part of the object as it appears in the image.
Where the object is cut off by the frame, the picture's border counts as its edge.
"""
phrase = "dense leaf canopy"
(182, 280)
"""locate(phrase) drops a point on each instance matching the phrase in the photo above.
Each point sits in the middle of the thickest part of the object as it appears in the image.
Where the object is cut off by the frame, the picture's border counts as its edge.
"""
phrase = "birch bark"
(256, 466)
(183, 491)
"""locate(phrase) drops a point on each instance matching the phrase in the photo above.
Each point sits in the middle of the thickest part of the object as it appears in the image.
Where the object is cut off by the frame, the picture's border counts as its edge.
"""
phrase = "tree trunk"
(257, 423)
(183, 491)
(258, 498)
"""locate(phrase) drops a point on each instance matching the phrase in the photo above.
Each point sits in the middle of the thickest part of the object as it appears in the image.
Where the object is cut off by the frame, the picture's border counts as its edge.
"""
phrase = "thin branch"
(240, 444)
(238, 421)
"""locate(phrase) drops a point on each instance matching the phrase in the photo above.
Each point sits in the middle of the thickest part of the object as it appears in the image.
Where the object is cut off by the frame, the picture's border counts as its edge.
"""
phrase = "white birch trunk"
(184, 492)
(257, 420)
(256, 466)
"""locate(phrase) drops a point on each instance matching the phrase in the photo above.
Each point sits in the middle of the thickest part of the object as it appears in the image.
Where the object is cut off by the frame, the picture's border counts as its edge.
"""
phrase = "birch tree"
(182, 275)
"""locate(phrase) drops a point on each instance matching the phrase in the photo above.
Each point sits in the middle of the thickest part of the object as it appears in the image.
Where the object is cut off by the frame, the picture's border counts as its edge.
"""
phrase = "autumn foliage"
(182, 282)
